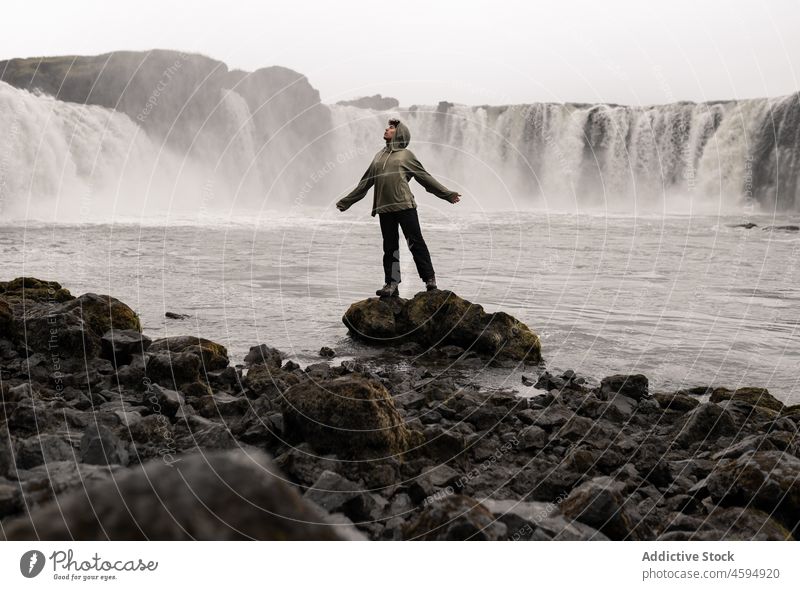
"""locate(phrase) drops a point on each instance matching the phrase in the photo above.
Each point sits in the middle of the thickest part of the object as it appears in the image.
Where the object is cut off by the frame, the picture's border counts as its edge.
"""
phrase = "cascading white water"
(681, 157)
(64, 161)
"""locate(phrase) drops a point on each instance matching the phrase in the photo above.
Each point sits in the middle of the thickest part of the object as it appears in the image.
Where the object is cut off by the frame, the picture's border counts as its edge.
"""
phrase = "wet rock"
(173, 370)
(268, 381)
(441, 318)
(221, 405)
(766, 480)
(755, 396)
(204, 496)
(782, 227)
(441, 444)
(327, 352)
(544, 479)
(632, 386)
(351, 416)
(161, 400)
(373, 319)
(677, 401)
(264, 355)
(754, 442)
(100, 446)
(533, 437)
(176, 316)
(212, 356)
(196, 432)
(304, 465)
(119, 346)
(454, 518)
(706, 420)
(600, 504)
(334, 493)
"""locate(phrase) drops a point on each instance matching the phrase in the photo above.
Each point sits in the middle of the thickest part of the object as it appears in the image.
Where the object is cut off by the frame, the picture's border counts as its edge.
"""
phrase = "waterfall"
(63, 160)
(707, 157)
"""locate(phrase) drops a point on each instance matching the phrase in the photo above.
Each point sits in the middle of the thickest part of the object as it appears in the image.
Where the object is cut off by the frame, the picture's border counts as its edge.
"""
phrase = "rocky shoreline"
(107, 434)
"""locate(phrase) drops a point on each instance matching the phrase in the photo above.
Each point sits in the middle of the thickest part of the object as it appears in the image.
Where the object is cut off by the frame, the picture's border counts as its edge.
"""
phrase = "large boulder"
(211, 496)
(74, 328)
(437, 318)
(601, 504)
(351, 416)
(213, 356)
(707, 421)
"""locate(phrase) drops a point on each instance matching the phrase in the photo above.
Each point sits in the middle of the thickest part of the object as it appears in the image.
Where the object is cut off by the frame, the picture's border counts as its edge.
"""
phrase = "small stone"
(100, 446)
(176, 316)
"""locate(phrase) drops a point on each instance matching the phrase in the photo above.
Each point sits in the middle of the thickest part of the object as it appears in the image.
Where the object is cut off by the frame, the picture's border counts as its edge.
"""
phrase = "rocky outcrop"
(395, 446)
(190, 87)
(439, 318)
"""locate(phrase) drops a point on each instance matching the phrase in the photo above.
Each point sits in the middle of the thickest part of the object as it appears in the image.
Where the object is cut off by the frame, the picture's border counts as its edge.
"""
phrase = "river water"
(684, 299)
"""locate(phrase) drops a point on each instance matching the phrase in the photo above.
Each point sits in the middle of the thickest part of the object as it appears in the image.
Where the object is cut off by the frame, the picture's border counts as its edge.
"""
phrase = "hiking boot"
(430, 284)
(390, 289)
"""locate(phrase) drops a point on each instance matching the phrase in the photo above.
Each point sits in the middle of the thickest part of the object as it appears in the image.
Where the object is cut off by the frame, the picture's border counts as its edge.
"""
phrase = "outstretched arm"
(359, 192)
(429, 182)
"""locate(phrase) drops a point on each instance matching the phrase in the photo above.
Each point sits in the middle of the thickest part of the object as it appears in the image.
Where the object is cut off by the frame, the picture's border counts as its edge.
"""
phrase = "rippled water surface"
(685, 300)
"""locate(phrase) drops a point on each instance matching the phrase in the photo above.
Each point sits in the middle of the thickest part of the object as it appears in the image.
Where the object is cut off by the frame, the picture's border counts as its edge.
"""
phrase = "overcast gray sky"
(472, 52)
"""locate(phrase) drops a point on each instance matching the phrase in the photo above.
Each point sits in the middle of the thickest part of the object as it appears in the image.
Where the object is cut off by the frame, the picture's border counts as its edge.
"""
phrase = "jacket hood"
(402, 137)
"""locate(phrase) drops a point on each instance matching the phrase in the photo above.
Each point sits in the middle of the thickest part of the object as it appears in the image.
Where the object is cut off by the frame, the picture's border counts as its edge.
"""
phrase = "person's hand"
(455, 198)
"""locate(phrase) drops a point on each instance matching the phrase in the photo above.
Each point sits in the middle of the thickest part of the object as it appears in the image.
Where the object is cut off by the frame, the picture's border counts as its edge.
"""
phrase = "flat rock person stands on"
(390, 170)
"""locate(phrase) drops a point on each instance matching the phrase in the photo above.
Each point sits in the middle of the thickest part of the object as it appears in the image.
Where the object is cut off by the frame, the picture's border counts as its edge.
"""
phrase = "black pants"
(409, 221)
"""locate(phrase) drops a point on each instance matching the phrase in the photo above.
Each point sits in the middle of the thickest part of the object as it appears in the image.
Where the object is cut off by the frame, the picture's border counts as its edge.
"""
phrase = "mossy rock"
(213, 356)
(755, 396)
(102, 313)
(677, 401)
(268, 381)
(439, 318)
(33, 289)
(373, 319)
(351, 416)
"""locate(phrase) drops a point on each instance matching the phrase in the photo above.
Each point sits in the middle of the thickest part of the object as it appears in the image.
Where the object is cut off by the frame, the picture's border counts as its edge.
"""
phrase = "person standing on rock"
(390, 170)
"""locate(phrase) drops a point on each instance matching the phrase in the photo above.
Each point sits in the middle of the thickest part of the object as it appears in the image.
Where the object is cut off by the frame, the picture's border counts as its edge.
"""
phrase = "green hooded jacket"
(390, 170)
